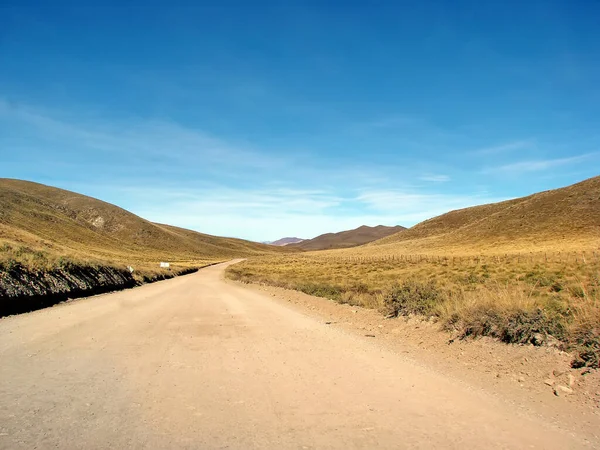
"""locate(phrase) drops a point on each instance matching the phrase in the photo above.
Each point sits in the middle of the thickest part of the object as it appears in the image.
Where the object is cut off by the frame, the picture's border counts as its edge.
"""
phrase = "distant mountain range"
(349, 238)
(284, 241)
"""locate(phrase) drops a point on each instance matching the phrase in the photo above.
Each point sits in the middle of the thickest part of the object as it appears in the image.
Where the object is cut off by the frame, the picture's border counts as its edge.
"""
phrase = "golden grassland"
(517, 298)
(42, 228)
(565, 219)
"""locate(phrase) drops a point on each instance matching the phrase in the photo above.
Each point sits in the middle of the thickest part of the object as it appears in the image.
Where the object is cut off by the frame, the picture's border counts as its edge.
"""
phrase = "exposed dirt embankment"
(22, 290)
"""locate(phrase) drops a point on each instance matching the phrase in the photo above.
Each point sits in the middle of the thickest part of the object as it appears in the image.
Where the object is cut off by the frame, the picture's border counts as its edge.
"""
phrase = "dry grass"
(43, 227)
(560, 219)
(516, 302)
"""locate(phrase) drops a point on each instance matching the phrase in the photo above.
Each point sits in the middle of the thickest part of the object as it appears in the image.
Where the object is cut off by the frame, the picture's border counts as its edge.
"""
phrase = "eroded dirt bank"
(22, 290)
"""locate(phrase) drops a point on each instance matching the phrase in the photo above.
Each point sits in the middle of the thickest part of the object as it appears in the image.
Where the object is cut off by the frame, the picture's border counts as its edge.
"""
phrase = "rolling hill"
(286, 241)
(63, 223)
(565, 218)
(346, 239)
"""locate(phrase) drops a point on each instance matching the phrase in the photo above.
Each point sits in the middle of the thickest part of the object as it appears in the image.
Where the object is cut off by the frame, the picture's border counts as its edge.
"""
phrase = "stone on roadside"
(560, 389)
(549, 382)
(538, 339)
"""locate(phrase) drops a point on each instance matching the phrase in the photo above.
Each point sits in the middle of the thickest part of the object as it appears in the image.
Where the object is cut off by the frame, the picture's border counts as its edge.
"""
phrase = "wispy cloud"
(413, 207)
(504, 148)
(138, 137)
(435, 178)
(258, 214)
(394, 121)
(539, 165)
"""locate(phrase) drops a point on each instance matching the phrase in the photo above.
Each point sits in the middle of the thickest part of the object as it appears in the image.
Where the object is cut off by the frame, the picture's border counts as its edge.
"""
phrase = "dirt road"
(195, 362)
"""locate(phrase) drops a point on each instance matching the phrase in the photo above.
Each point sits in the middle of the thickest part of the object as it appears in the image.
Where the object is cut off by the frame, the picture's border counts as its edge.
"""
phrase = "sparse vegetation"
(527, 302)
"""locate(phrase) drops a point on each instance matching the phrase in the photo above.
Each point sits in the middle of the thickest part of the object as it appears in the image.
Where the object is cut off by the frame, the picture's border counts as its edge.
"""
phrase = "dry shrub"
(412, 297)
(584, 332)
(509, 313)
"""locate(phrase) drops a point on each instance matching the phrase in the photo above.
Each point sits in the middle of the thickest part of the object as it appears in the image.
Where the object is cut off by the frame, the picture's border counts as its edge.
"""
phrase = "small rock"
(538, 339)
(552, 342)
(571, 380)
(498, 375)
(559, 372)
(521, 380)
(560, 389)
(549, 382)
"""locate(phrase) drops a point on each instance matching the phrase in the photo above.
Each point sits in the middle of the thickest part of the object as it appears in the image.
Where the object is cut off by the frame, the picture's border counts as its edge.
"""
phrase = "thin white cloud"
(259, 214)
(417, 206)
(394, 121)
(139, 137)
(435, 178)
(504, 148)
(539, 165)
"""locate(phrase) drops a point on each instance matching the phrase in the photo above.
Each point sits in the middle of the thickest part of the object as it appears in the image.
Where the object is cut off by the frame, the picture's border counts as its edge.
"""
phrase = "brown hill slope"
(286, 241)
(64, 223)
(349, 238)
(565, 218)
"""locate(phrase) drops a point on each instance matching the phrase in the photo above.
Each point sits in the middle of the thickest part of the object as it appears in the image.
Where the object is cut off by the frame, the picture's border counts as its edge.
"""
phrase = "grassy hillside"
(559, 219)
(39, 225)
(346, 239)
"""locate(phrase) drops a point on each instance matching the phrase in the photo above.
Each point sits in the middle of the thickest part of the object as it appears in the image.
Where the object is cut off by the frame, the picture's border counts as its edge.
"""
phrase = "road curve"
(197, 362)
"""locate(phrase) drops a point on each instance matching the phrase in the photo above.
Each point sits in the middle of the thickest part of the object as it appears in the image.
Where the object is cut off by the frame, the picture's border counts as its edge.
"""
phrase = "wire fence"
(580, 257)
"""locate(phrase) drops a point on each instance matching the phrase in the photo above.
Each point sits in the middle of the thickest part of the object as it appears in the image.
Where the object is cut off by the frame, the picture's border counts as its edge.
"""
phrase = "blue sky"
(294, 118)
